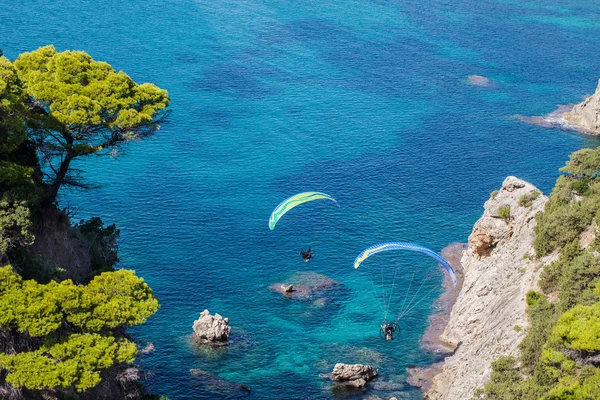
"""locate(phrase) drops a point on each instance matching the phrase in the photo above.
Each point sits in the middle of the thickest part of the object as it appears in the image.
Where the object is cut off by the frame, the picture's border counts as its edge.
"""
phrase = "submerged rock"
(212, 329)
(586, 115)
(478, 80)
(320, 302)
(423, 377)
(353, 375)
(305, 286)
(217, 384)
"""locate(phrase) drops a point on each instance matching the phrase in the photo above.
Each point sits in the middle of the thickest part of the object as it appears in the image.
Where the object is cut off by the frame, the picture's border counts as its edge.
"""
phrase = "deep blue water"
(366, 100)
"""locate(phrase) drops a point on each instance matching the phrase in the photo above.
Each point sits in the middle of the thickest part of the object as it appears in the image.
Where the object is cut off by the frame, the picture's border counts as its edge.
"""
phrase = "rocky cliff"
(489, 317)
(586, 115)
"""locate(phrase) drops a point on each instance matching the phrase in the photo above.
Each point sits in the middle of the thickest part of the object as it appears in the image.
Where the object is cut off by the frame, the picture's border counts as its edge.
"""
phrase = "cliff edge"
(586, 115)
(489, 317)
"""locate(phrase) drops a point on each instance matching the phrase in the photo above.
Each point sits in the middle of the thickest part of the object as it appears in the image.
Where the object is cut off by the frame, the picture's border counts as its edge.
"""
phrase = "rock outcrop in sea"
(306, 286)
(586, 115)
(353, 375)
(211, 329)
(489, 317)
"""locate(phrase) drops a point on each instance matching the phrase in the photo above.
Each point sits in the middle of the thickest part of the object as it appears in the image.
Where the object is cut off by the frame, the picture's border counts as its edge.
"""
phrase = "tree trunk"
(62, 173)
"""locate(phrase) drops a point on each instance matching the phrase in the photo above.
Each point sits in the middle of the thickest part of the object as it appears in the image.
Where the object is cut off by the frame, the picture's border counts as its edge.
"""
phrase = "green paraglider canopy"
(294, 201)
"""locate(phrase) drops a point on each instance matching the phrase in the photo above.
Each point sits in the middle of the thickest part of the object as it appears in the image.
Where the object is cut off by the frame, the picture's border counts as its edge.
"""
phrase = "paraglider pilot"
(388, 330)
(306, 255)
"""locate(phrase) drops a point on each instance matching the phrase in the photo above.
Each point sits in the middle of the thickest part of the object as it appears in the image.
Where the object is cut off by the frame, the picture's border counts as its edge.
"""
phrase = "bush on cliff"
(541, 315)
(573, 204)
(563, 219)
(504, 212)
(527, 199)
(505, 381)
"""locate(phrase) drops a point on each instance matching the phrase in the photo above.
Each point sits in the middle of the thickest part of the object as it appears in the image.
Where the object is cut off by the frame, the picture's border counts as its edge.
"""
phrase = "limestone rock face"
(354, 375)
(494, 226)
(488, 319)
(212, 328)
(586, 115)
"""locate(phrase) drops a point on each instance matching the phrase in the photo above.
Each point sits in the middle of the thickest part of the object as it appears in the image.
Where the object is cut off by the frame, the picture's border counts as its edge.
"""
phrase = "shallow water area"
(365, 100)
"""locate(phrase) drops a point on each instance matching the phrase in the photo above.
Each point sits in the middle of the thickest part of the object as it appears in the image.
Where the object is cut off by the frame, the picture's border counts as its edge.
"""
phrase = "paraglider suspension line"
(376, 296)
(407, 291)
(416, 304)
(390, 296)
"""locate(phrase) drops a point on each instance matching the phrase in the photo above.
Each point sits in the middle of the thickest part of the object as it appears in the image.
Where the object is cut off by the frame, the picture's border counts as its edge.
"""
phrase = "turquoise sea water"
(365, 100)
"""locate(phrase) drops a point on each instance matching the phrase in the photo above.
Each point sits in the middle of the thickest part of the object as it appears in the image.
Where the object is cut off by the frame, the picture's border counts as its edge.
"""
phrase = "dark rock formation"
(217, 384)
(305, 286)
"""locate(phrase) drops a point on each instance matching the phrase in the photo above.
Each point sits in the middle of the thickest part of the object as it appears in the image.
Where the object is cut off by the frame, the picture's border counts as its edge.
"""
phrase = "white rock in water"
(356, 375)
(586, 115)
(212, 328)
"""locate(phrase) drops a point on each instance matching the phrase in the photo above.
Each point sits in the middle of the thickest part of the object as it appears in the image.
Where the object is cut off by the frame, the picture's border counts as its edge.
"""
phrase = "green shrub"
(79, 327)
(584, 386)
(578, 329)
(75, 361)
(584, 163)
(580, 186)
(15, 224)
(505, 381)
(494, 194)
(578, 280)
(527, 199)
(541, 317)
(504, 212)
(551, 275)
(559, 226)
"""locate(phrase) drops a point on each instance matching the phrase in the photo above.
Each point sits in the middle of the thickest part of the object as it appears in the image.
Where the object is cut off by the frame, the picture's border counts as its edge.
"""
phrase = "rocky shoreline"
(583, 117)
(488, 319)
(586, 115)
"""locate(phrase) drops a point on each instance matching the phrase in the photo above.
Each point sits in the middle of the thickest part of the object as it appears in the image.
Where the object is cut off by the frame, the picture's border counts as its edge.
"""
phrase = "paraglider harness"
(388, 329)
(306, 255)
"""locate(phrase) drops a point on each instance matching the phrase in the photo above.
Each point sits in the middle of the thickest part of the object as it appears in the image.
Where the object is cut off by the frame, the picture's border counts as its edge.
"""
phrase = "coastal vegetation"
(504, 212)
(560, 356)
(527, 199)
(64, 309)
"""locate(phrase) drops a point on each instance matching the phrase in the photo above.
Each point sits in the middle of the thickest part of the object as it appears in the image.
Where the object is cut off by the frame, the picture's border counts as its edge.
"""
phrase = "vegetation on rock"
(527, 199)
(504, 212)
(560, 355)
